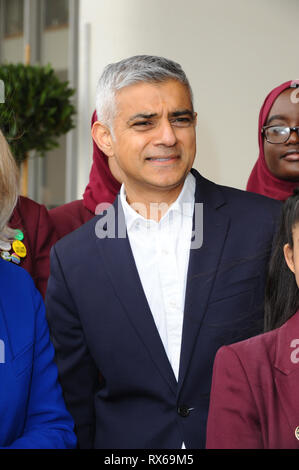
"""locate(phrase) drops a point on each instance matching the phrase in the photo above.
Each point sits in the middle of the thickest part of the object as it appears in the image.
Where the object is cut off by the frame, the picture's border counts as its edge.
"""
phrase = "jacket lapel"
(288, 389)
(286, 371)
(121, 268)
(203, 263)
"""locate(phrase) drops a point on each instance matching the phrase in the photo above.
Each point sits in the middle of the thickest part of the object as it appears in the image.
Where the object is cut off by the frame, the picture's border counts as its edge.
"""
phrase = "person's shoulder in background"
(39, 236)
(238, 203)
(69, 217)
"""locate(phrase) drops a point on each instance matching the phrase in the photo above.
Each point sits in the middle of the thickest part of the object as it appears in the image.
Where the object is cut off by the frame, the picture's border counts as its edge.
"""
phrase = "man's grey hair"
(140, 68)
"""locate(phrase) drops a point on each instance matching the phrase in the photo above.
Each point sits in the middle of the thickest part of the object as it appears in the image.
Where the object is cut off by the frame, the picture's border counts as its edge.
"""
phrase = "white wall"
(55, 48)
(13, 50)
(233, 51)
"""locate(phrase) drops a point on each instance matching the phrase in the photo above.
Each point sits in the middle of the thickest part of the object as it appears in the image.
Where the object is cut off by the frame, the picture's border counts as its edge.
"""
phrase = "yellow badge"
(19, 248)
(297, 432)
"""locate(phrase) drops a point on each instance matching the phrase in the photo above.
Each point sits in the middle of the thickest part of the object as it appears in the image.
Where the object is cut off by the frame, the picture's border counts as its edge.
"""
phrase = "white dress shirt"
(161, 252)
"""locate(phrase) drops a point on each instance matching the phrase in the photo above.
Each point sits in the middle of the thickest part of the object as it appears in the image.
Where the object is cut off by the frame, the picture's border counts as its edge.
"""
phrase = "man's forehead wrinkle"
(151, 102)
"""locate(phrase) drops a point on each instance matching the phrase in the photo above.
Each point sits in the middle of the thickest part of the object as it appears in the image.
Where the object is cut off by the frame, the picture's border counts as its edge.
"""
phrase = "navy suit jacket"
(32, 411)
(117, 380)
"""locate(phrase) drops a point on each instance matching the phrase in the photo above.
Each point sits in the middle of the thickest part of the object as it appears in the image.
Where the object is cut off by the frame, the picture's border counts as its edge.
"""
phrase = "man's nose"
(165, 134)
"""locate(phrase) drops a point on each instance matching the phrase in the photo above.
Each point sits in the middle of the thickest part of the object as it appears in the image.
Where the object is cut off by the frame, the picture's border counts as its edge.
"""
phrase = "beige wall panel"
(233, 51)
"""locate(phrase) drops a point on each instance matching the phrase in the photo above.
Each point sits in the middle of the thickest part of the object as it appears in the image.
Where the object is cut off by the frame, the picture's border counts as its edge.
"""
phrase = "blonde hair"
(9, 189)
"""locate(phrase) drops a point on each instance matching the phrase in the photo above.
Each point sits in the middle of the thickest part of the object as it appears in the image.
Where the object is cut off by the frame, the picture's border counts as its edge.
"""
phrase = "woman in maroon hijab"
(102, 187)
(276, 172)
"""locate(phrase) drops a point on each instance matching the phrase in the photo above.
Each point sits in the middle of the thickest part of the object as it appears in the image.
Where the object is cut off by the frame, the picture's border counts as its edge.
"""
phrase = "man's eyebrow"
(278, 117)
(142, 116)
(182, 112)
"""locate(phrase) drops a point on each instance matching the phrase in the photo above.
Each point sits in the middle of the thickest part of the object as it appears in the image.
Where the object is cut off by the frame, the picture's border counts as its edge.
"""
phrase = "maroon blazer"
(39, 235)
(69, 217)
(254, 398)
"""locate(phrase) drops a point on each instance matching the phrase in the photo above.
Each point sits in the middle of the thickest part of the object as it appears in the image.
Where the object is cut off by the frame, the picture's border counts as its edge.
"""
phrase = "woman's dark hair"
(282, 293)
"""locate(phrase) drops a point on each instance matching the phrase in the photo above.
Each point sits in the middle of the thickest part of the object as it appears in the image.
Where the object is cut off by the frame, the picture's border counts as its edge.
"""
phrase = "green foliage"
(37, 108)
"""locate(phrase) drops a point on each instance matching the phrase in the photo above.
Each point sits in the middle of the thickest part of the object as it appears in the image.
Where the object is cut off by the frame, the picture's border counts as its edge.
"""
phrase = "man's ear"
(288, 254)
(102, 136)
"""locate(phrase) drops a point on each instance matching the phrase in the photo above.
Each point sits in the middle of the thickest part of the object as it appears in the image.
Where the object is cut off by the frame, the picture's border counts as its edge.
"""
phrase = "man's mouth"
(170, 158)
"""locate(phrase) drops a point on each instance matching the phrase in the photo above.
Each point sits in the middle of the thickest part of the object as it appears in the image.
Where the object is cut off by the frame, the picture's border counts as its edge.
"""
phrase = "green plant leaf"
(38, 108)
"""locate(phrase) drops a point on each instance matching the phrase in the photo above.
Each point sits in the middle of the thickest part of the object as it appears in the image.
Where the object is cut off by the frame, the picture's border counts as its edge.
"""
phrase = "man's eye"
(142, 123)
(182, 121)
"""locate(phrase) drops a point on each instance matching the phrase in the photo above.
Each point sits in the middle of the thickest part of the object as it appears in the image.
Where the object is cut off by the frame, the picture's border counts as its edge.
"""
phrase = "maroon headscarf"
(261, 180)
(102, 186)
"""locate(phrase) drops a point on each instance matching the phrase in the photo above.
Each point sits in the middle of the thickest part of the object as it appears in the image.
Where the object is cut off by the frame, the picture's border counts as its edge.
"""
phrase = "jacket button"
(183, 411)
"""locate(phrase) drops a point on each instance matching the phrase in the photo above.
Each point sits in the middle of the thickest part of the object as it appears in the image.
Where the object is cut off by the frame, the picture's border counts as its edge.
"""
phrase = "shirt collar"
(184, 204)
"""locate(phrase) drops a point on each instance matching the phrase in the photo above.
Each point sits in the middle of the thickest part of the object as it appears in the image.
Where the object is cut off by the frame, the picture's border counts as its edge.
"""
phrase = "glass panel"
(14, 15)
(55, 175)
(56, 13)
(49, 172)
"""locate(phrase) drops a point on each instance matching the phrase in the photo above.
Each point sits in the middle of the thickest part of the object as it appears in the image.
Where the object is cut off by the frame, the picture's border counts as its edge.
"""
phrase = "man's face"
(283, 159)
(154, 140)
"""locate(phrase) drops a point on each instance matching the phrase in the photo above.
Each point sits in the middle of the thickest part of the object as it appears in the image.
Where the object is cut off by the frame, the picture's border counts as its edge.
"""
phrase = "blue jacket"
(116, 376)
(32, 409)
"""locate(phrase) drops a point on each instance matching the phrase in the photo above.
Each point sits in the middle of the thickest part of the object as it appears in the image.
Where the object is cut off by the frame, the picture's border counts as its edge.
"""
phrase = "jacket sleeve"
(48, 424)
(233, 421)
(78, 373)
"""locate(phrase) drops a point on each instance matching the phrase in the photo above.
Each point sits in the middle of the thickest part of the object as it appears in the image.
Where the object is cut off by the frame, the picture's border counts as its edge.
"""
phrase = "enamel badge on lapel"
(297, 432)
(18, 247)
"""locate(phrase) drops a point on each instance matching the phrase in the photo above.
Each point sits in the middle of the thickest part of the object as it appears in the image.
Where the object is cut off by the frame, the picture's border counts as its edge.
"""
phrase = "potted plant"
(37, 109)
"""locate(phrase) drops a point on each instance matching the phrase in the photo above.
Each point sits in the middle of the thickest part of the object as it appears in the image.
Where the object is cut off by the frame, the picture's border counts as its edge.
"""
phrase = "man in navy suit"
(141, 297)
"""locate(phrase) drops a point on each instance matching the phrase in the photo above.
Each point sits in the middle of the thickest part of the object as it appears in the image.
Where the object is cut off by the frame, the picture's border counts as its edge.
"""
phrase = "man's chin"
(166, 184)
